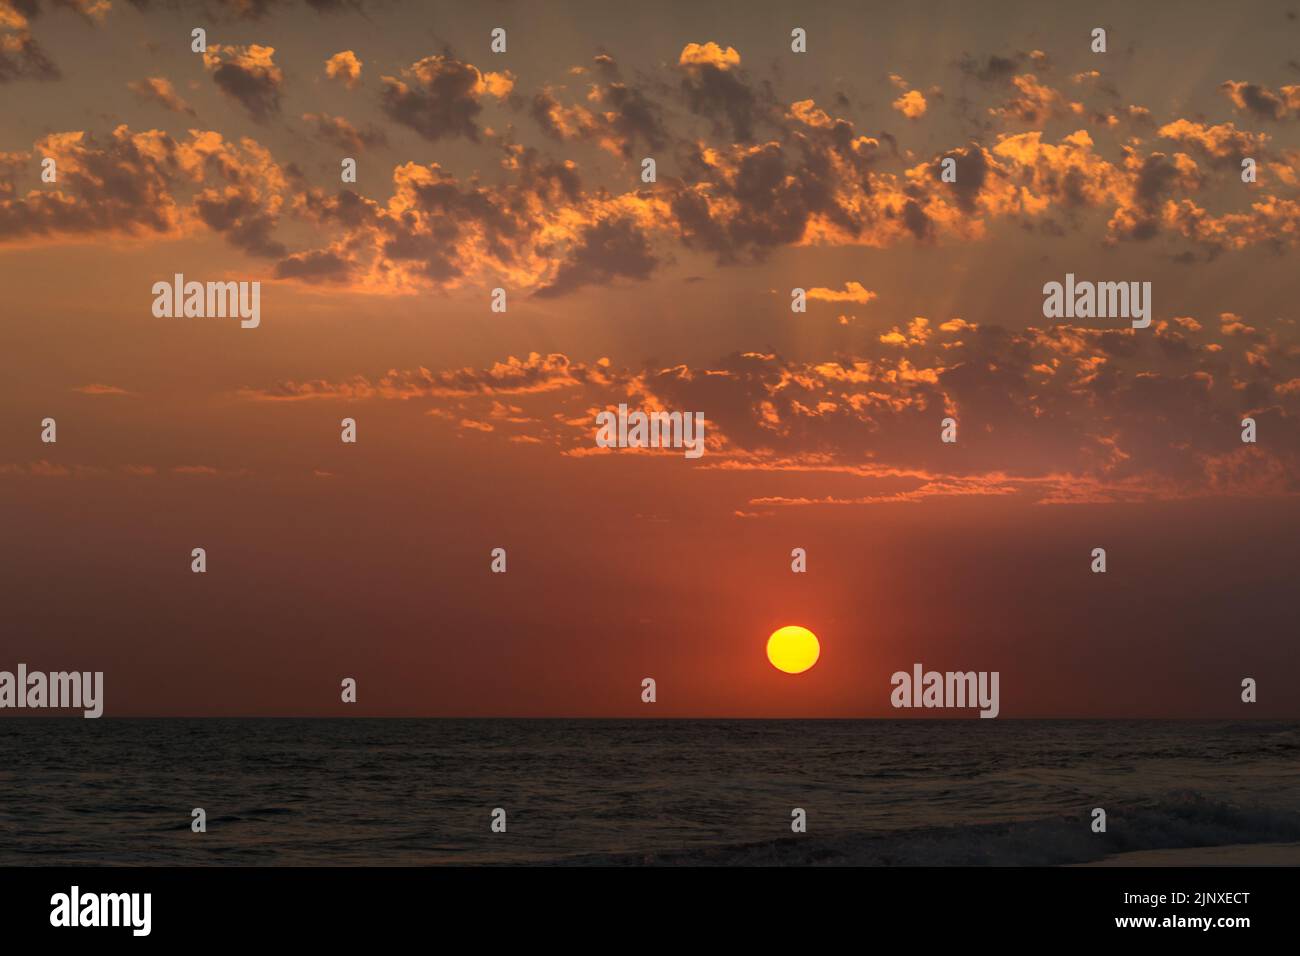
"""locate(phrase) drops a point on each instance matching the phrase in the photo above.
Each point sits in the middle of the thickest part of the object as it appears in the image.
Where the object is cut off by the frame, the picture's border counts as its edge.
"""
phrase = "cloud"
(120, 186)
(36, 469)
(316, 267)
(157, 89)
(21, 57)
(709, 54)
(755, 177)
(1231, 324)
(997, 69)
(1271, 221)
(918, 332)
(46, 469)
(1034, 102)
(97, 389)
(248, 75)
(853, 292)
(337, 131)
(242, 217)
(911, 104)
(345, 67)
(714, 87)
(439, 96)
(532, 375)
(92, 10)
(148, 184)
(973, 165)
(616, 116)
(747, 200)
(560, 122)
(925, 487)
(537, 232)
(1224, 142)
(816, 181)
(1261, 102)
(1062, 414)
(224, 10)
(606, 250)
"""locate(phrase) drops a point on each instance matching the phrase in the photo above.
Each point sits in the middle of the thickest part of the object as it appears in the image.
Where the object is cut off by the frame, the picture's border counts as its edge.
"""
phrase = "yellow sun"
(793, 649)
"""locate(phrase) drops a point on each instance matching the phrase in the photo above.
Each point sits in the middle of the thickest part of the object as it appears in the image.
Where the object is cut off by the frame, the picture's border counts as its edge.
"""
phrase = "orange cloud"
(1223, 141)
(911, 104)
(248, 75)
(1262, 102)
(159, 90)
(1060, 414)
(709, 54)
(768, 177)
(439, 96)
(853, 292)
(97, 389)
(1035, 102)
(345, 67)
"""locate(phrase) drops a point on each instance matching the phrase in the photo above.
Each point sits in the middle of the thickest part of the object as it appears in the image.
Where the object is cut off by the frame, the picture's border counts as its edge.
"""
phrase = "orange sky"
(775, 170)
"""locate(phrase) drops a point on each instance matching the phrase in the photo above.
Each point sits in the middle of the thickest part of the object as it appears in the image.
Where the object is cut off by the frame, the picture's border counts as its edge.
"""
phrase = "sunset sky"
(775, 170)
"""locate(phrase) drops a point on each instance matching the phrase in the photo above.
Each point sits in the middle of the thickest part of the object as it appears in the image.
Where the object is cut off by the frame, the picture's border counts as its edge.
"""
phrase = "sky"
(775, 170)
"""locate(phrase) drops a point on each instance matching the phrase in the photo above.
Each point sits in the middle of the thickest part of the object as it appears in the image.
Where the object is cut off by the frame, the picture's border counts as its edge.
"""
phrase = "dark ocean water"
(413, 792)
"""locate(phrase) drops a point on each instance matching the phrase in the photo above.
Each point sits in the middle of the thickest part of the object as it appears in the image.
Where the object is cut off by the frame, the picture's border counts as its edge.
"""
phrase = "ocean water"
(421, 792)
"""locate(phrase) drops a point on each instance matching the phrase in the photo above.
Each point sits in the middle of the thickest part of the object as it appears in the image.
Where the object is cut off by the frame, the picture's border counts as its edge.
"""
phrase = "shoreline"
(1233, 854)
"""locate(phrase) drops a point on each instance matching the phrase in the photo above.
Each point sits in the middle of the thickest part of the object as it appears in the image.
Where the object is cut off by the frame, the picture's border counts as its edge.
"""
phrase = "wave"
(1180, 821)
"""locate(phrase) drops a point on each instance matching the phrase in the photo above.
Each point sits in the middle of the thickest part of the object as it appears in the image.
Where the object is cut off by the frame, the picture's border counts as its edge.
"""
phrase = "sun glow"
(793, 649)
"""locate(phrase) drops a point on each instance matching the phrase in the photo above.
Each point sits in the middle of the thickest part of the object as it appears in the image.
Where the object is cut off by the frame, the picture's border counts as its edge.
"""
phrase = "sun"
(793, 649)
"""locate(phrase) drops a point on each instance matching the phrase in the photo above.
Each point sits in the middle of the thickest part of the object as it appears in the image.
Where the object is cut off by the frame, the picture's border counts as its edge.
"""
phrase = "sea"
(425, 792)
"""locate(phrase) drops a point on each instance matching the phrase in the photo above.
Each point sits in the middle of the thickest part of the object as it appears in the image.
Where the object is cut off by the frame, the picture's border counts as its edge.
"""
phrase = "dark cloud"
(560, 123)
(435, 229)
(338, 132)
(22, 58)
(247, 75)
(625, 119)
(242, 219)
(714, 87)
(616, 115)
(321, 266)
(771, 206)
(1065, 413)
(534, 223)
(916, 220)
(635, 119)
(972, 165)
(605, 251)
(1155, 179)
(1261, 102)
(249, 9)
(123, 185)
(1000, 69)
(139, 184)
(815, 167)
(437, 97)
